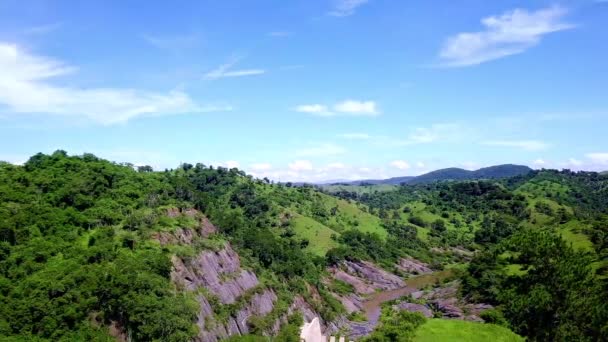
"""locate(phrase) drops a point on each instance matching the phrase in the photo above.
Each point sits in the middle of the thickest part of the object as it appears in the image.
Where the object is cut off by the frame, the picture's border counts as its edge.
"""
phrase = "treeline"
(76, 254)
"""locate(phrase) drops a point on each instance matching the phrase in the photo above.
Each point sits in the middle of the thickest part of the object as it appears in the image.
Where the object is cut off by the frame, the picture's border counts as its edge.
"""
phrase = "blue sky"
(308, 90)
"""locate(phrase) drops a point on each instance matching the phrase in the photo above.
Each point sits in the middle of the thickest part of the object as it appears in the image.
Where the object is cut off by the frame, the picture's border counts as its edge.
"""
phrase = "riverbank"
(372, 306)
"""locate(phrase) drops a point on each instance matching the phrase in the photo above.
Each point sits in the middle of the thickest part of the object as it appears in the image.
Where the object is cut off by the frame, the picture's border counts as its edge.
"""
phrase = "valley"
(95, 250)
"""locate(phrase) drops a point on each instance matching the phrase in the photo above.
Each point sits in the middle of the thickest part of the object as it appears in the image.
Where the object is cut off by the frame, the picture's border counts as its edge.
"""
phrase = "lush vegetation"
(79, 261)
(450, 330)
(399, 326)
(77, 254)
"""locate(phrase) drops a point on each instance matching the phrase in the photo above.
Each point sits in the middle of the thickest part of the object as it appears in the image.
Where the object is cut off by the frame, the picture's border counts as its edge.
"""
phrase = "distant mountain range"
(453, 173)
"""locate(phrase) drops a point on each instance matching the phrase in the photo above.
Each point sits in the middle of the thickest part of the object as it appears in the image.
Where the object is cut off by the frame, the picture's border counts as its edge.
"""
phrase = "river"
(372, 306)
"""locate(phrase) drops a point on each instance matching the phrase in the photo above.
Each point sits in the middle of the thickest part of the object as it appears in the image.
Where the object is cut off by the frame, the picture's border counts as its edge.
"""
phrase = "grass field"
(348, 213)
(318, 235)
(455, 330)
(572, 232)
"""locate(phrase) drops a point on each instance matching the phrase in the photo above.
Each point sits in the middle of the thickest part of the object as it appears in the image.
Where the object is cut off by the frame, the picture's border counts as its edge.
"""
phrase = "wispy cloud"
(300, 165)
(400, 164)
(527, 145)
(344, 8)
(315, 109)
(424, 135)
(510, 33)
(260, 166)
(540, 163)
(26, 87)
(320, 150)
(600, 158)
(173, 42)
(344, 108)
(43, 29)
(224, 71)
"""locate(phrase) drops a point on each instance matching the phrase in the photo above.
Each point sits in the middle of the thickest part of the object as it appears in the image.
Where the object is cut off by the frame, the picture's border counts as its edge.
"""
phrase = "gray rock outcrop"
(412, 307)
(413, 266)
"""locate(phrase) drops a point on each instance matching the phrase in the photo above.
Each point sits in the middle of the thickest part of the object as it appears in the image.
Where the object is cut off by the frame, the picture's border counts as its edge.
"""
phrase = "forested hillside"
(449, 174)
(94, 250)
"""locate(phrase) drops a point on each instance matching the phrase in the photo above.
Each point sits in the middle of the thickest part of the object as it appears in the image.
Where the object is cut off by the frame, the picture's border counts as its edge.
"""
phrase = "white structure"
(311, 332)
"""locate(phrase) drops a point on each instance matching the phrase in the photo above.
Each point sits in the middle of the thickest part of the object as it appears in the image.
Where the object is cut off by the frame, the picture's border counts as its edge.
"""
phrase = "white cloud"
(424, 135)
(344, 108)
(511, 33)
(539, 163)
(574, 162)
(335, 166)
(355, 136)
(321, 150)
(355, 107)
(420, 165)
(300, 165)
(600, 158)
(400, 164)
(25, 87)
(344, 8)
(469, 165)
(260, 166)
(527, 145)
(224, 71)
(315, 109)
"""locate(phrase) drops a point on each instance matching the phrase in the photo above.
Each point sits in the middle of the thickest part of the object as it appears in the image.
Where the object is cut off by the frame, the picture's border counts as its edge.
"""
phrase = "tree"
(438, 227)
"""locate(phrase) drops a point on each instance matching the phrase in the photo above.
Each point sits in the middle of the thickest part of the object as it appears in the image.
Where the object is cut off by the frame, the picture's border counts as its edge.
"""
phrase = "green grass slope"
(315, 216)
(318, 235)
(455, 330)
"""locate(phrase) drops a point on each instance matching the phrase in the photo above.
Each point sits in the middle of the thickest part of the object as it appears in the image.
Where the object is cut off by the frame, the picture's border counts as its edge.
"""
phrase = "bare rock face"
(353, 330)
(375, 276)
(445, 301)
(448, 291)
(412, 307)
(448, 308)
(413, 266)
(417, 294)
(219, 272)
(477, 308)
(366, 277)
(360, 329)
(185, 236)
(357, 283)
(351, 302)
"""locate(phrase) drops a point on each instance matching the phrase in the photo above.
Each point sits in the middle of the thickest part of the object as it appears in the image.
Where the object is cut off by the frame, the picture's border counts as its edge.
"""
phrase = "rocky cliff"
(228, 295)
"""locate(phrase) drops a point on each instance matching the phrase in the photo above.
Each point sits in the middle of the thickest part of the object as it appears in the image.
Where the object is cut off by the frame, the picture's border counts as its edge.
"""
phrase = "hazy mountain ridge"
(452, 173)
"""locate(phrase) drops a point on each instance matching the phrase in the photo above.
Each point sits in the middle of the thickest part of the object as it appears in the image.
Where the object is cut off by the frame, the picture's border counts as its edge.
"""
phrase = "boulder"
(357, 283)
(413, 266)
(448, 308)
(412, 307)
(373, 275)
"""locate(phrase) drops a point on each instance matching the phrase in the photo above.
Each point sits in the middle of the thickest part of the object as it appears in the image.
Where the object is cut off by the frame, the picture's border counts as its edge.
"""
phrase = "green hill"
(492, 172)
(449, 174)
(81, 247)
(456, 331)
